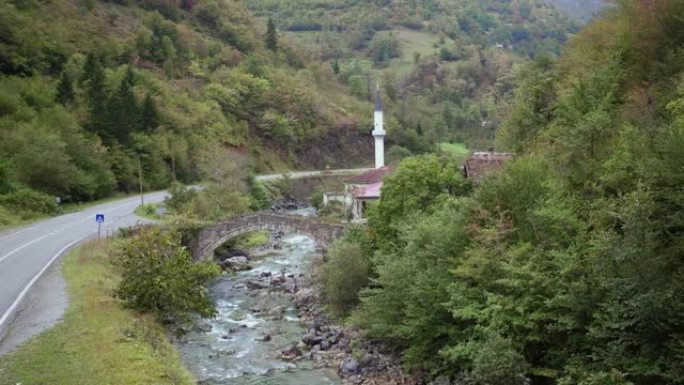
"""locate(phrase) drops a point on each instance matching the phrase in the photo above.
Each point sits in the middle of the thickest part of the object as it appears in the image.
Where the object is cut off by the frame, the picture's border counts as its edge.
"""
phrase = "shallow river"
(233, 351)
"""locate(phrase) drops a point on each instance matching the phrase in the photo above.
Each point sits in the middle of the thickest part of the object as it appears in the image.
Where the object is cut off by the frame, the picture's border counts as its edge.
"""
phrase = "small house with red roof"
(365, 188)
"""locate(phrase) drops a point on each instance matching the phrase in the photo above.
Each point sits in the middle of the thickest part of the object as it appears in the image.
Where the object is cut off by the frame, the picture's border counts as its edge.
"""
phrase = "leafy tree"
(160, 277)
(343, 275)
(224, 193)
(258, 195)
(419, 184)
(179, 198)
(405, 304)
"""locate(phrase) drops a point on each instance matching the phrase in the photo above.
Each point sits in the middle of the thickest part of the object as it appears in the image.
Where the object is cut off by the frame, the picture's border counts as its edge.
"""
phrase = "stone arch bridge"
(210, 238)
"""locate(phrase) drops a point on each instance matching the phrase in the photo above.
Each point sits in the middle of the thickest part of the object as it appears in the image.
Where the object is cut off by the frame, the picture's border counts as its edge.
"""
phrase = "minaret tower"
(379, 131)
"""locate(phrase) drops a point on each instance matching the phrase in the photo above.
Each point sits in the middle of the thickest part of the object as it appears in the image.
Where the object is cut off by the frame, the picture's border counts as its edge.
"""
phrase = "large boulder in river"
(236, 264)
(256, 284)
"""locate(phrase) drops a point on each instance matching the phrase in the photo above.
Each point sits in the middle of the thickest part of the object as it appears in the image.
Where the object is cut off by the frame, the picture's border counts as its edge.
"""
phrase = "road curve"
(27, 252)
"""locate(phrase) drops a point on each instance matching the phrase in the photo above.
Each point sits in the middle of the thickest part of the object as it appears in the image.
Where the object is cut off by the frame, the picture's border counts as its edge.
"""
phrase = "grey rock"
(311, 339)
(276, 312)
(349, 366)
(236, 263)
(256, 284)
(290, 353)
(366, 360)
(264, 338)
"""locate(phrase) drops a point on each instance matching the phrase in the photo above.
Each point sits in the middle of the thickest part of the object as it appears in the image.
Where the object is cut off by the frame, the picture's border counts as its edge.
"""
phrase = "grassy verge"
(98, 341)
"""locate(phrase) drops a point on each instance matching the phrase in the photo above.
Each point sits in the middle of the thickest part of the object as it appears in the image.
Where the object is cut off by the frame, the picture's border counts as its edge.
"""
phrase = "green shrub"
(342, 277)
(29, 201)
(160, 277)
(258, 195)
(148, 210)
(316, 199)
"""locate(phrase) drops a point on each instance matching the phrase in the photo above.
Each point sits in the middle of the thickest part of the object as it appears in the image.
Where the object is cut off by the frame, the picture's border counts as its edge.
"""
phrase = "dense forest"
(581, 10)
(92, 93)
(567, 266)
(447, 68)
(95, 95)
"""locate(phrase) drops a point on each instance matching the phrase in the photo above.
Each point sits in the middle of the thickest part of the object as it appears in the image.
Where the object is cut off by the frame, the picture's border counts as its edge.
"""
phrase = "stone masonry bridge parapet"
(324, 233)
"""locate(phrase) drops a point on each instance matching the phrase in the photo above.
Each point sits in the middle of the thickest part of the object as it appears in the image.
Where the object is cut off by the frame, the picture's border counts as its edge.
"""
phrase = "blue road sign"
(99, 218)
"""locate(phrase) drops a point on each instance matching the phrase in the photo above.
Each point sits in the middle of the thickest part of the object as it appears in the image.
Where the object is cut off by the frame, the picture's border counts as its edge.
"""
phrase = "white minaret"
(379, 131)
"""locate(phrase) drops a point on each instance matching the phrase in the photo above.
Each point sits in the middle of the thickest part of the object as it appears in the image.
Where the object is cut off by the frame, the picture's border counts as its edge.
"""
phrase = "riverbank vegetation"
(98, 341)
(160, 277)
(566, 267)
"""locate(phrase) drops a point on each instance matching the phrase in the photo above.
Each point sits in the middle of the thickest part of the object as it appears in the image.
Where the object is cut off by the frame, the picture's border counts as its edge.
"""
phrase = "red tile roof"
(480, 163)
(372, 176)
(368, 191)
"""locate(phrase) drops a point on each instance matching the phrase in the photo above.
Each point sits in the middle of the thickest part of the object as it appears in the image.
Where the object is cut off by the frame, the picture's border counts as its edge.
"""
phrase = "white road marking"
(59, 230)
(16, 232)
(35, 278)
(26, 244)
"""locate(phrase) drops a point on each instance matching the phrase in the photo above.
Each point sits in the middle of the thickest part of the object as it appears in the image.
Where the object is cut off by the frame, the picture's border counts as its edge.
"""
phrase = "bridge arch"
(210, 238)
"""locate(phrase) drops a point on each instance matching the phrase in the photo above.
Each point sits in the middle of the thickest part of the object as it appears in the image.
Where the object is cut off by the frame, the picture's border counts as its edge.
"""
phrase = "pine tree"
(123, 109)
(271, 36)
(65, 89)
(97, 98)
(149, 117)
(335, 66)
(89, 68)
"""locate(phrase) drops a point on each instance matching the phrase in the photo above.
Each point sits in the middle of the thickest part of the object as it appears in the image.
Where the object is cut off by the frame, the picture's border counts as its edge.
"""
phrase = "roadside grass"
(98, 342)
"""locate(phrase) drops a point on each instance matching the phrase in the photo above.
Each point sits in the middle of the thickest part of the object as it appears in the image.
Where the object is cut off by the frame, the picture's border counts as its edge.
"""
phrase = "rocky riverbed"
(270, 328)
(257, 319)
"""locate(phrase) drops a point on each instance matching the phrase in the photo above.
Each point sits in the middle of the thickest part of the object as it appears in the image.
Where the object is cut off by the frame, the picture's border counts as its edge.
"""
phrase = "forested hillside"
(92, 90)
(566, 267)
(446, 68)
(581, 10)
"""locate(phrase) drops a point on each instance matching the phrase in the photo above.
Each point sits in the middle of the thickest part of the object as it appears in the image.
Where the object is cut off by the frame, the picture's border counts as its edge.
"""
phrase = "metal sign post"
(99, 218)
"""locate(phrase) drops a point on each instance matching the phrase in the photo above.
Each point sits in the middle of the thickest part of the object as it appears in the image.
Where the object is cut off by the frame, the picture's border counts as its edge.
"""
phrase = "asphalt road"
(27, 252)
